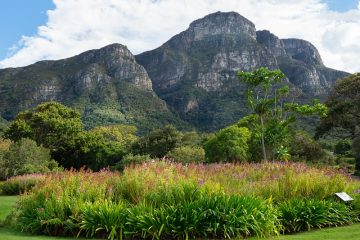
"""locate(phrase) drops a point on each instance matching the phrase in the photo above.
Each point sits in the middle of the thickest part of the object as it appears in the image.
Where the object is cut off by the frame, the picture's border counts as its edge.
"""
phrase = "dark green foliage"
(304, 148)
(343, 147)
(228, 145)
(92, 151)
(306, 214)
(356, 149)
(343, 119)
(158, 142)
(24, 157)
(3, 126)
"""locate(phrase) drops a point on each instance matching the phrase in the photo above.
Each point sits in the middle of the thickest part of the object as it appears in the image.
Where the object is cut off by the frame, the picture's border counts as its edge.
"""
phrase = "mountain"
(195, 71)
(188, 81)
(106, 85)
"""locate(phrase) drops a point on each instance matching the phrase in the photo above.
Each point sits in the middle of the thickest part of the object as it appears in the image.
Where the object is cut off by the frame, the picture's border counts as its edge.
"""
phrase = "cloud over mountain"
(76, 26)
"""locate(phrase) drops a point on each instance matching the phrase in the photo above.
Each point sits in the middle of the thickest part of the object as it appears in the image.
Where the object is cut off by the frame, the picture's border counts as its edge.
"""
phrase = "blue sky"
(20, 18)
(76, 26)
(341, 5)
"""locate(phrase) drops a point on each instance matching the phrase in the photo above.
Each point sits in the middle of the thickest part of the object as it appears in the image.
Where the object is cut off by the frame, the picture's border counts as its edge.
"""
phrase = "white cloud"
(75, 26)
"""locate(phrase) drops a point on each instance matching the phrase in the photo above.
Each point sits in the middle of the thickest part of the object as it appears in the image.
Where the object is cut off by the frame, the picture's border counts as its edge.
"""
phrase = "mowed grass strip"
(338, 233)
(6, 203)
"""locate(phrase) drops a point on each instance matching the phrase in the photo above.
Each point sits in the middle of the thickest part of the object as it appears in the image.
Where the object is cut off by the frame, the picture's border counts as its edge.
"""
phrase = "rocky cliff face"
(106, 85)
(195, 71)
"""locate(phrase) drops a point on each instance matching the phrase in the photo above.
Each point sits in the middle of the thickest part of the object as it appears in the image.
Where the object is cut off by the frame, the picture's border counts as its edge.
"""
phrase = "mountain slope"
(106, 85)
(188, 81)
(195, 71)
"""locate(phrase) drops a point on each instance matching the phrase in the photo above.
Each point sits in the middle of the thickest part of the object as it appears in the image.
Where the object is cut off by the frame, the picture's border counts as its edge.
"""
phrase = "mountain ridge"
(195, 71)
(190, 80)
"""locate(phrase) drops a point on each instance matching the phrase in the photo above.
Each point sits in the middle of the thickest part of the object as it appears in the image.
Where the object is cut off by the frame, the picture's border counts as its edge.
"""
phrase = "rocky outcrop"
(200, 65)
(272, 43)
(303, 51)
(217, 23)
(106, 85)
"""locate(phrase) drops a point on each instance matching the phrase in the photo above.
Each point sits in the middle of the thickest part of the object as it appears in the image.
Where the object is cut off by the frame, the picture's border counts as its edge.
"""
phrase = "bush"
(131, 159)
(4, 147)
(228, 145)
(306, 214)
(343, 147)
(187, 154)
(304, 148)
(158, 142)
(25, 157)
(20, 184)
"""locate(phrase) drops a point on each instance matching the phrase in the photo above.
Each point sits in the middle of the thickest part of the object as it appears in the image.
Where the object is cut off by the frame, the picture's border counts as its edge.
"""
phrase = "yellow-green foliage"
(123, 134)
(187, 154)
(228, 145)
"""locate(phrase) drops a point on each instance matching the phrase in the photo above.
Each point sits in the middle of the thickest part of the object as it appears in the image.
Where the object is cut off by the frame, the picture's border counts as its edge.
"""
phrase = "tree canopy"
(267, 96)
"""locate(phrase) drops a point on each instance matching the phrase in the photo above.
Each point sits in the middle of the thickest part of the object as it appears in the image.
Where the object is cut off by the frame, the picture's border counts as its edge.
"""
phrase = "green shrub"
(343, 147)
(158, 142)
(20, 184)
(304, 148)
(305, 214)
(187, 154)
(103, 218)
(55, 205)
(228, 145)
(131, 159)
(26, 157)
(215, 216)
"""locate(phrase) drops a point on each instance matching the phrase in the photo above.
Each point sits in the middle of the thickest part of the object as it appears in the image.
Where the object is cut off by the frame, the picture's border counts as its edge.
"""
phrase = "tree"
(60, 129)
(158, 142)
(267, 94)
(25, 156)
(121, 133)
(49, 124)
(93, 151)
(343, 118)
(228, 145)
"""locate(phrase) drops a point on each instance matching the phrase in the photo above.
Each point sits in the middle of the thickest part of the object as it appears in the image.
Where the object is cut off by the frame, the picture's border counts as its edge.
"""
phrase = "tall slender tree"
(267, 97)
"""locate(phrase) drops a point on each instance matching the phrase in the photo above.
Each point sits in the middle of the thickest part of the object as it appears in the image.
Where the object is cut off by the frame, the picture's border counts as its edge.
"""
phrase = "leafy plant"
(25, 157)
(158, 142)
(20, 184)
(187, 154)
(266, 95)
(304, 214)
(228, 145)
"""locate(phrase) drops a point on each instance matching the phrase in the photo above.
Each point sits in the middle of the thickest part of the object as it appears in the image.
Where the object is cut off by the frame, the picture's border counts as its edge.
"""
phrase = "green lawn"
(8, 234)
(347, 233)
(6, 203)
